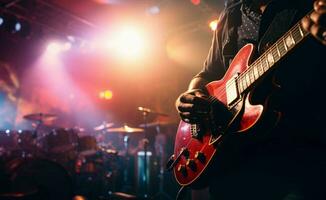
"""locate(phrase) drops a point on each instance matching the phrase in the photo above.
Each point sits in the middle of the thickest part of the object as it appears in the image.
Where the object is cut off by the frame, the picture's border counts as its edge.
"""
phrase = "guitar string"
(263, 57)
(296, 27)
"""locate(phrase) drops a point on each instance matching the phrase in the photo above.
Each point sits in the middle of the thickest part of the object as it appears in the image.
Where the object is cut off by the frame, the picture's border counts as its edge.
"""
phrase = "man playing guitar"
(286, 160)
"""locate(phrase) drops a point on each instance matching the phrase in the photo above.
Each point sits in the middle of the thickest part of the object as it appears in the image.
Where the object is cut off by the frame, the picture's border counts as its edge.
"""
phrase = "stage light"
(129, 43)
(107, 95)
(71, 38)
(195, 2)
(18, 26)
(154, 10)
(67, 46)
(53, 48)
(213, 24)
(1, 21)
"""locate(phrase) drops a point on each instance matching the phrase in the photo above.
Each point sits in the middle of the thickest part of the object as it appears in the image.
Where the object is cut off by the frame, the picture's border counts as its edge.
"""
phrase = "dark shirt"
(248, 31)
(291, 165)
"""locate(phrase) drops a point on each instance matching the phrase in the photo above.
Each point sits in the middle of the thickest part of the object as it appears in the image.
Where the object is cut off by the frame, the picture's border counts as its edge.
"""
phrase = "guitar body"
(193, 155)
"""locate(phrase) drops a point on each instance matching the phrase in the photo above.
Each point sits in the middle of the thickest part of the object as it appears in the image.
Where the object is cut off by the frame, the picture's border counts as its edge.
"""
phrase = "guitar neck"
(271, 57)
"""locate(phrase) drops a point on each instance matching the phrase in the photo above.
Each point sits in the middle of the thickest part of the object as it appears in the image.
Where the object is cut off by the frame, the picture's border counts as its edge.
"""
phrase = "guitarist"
(289, 164)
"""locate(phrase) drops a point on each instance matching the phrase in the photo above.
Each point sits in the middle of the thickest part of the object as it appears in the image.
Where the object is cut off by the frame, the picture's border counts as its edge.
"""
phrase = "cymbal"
(40, 116)
(147, 110)
(157, 123)
(125, 129)
(103, 126)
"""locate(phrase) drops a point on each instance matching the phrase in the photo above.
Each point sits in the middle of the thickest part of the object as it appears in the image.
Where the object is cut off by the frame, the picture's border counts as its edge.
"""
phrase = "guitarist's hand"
(316, 23)
(193, 106)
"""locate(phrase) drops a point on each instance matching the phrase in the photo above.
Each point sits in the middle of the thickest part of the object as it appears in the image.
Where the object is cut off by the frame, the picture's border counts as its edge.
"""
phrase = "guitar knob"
(183, 170)
(185, 152)
(200, 156)
(170, 163)
(191, 164)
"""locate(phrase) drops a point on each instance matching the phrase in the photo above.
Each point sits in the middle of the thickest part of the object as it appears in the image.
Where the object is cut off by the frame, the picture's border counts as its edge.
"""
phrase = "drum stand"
(145, 178)
(161, 195)
(126, 179)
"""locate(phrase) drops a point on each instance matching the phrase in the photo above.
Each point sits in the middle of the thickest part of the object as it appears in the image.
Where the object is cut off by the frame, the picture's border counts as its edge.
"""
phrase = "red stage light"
(195, 2)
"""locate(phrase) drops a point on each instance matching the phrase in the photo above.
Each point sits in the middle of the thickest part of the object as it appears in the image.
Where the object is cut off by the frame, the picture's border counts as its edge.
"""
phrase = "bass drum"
(61, 140)
(87, 145)
(36, 179)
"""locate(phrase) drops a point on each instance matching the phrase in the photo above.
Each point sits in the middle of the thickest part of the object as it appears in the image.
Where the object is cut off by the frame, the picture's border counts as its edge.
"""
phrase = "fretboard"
(270, 57)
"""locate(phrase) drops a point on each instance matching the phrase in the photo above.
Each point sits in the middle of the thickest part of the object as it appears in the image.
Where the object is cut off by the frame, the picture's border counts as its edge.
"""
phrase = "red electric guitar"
(193, 153)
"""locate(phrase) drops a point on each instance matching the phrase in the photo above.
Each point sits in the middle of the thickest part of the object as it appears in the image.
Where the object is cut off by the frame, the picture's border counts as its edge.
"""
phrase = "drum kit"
(87, 157)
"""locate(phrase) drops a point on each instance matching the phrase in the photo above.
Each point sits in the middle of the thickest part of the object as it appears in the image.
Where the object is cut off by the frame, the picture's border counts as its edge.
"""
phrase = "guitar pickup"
(232, 92)
(196, 131)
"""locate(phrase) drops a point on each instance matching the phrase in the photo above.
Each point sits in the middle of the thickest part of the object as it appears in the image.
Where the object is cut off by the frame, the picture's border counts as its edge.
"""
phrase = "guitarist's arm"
(193, 105)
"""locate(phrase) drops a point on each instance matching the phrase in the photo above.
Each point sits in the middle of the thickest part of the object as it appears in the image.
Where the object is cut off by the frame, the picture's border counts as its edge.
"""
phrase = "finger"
(188, 118)
(319, 5)
(306, 23)
(185, 107)
(193, 108)
(319, 17)
(319, 33)
(188, 98)
(201, 94)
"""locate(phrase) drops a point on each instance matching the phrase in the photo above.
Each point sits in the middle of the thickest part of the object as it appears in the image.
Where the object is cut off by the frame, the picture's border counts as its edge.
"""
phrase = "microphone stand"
(145, 178)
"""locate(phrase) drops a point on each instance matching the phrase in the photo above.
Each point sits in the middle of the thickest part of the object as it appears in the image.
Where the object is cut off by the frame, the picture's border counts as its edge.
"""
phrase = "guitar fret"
(296, 34)
(260, 68)
(256, 74)
(290, 33)
(239, 82)
(275, 55)
(289, 41)
(300, 30)
(284, 44)
(251, 74)
(281, 48)
(265, 64)
(244, 83)
(247, 79)
(278, 51)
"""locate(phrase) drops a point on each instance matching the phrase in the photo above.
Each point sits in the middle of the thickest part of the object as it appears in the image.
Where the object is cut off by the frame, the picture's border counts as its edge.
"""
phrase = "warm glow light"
(195, 2)
(67, 46)
(213, 24)
(107, 95)
(129, 43)
(124, 43)
(53, 48)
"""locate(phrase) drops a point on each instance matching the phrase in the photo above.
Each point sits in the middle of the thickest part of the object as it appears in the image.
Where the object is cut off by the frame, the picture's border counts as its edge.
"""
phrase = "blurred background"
(85, 66)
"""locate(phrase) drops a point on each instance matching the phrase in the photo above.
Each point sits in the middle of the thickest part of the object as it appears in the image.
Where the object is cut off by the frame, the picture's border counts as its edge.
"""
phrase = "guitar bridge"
(196, 131)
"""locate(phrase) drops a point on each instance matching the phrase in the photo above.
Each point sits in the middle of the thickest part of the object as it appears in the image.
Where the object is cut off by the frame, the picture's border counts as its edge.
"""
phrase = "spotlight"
(213, 24)
(18, 26)
(154, 10)
(71, 38)
(106, 95)
(1, 21)
(195, 2)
